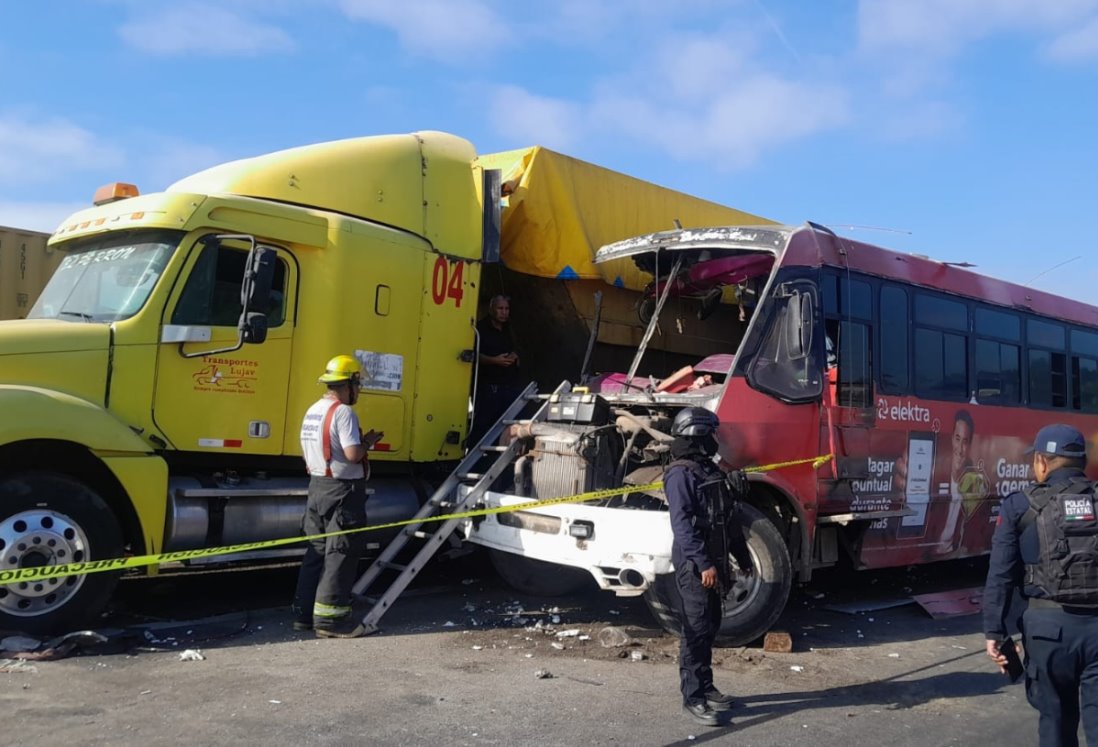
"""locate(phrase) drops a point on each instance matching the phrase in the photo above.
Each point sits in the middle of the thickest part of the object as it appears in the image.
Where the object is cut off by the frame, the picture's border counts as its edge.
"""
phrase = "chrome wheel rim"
(36, 538)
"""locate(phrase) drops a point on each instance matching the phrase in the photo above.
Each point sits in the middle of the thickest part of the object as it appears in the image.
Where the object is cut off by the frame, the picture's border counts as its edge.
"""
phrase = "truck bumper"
(622, 549)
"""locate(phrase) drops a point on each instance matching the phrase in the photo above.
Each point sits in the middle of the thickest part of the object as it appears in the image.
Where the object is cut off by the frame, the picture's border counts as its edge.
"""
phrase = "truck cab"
(153, 396)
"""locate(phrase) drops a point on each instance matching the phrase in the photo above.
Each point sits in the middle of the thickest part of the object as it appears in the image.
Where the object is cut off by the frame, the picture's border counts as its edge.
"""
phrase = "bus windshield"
(698, 272)
(106, 278)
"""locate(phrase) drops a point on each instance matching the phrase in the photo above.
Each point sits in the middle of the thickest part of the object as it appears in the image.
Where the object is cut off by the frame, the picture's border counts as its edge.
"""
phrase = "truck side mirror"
(254, 327)
(255, 291)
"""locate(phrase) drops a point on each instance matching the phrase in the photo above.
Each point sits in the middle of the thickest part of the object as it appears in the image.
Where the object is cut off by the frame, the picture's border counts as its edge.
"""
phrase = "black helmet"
(694, 422)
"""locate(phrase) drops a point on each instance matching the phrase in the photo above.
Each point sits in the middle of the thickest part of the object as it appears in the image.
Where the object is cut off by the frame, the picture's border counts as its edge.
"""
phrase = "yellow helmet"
(341, 368)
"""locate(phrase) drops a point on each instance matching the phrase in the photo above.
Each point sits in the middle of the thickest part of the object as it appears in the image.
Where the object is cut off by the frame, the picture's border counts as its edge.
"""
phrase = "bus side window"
(998, 356)
(941, 348)
(895, 337)
(1084, 370)
(848, 341)
(1048, 374)
(855, 380)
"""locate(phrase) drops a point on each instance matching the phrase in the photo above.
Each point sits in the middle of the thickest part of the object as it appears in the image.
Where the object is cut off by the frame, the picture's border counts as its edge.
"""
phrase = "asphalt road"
(458, 658)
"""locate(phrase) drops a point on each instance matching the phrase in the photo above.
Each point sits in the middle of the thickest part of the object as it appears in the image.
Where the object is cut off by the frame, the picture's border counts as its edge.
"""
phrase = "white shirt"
(344, 431)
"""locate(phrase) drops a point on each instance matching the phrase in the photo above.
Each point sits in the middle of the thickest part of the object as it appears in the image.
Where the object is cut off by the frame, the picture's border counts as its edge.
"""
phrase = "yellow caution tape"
(816, 463)
(63, 570)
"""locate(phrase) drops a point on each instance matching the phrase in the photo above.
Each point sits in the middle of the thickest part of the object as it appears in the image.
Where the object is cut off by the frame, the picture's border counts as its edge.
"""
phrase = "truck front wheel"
(49, 519)
(755, 602)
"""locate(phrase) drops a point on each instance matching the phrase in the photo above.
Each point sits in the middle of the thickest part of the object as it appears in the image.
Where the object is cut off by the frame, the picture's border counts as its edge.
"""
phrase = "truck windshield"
(106, 278)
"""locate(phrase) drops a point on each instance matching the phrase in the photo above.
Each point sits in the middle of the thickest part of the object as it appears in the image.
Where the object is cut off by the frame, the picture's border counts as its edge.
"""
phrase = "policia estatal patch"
(1078, 508)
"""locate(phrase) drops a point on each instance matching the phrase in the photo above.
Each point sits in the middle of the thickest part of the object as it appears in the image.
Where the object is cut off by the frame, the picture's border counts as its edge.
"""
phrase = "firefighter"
(697, 493)
(334, 448)
(1046, 545)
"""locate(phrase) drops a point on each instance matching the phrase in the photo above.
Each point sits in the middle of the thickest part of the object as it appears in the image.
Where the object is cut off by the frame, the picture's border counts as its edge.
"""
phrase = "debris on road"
(31, 649)
(543, 674)
(17, 665)
(614, 637)
(951, 603)
(637, 655)
(570, 633)
(19, 643)
(191, 655)
(868, 605)
(778, 642)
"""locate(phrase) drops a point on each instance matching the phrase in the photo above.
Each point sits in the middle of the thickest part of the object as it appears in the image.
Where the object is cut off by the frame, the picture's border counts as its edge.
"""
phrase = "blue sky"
(960, 129)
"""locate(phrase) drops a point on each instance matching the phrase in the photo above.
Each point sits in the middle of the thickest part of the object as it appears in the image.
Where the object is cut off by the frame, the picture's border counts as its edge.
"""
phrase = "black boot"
(701, 713)
(718, 701)
(302, 620)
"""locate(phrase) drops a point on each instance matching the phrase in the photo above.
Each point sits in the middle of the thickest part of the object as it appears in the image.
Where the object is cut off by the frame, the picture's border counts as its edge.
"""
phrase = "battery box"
(578, 407)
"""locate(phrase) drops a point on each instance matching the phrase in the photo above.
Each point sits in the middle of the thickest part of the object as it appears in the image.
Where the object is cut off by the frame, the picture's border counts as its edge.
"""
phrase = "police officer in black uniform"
(694, 486)
(1038, 531)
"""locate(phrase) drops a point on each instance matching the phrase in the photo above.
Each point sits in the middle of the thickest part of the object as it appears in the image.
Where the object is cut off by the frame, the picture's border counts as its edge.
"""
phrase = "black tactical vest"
(1067, 530)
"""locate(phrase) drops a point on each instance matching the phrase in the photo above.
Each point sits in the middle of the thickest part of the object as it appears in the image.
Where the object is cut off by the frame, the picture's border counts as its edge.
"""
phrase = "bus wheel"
(45, 520)
(755, 602)
(536, 577)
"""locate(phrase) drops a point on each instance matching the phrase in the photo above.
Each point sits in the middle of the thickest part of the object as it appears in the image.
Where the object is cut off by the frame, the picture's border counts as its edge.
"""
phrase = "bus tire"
(50, 519)
(536, 577)
(756, 601)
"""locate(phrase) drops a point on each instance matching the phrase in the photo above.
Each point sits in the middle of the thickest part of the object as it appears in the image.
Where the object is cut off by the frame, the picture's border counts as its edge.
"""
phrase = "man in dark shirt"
(696, 573)
(499, 379)
(1061, 641)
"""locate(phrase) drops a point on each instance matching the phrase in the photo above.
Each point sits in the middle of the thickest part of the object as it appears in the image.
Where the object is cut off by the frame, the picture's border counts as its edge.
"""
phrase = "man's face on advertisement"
(962, 443)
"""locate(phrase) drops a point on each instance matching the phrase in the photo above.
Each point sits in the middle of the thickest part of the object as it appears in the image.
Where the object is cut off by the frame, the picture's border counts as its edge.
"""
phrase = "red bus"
(925, 381)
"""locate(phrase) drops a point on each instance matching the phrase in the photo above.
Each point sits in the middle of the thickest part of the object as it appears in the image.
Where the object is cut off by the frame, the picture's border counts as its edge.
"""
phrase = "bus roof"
(814, 246)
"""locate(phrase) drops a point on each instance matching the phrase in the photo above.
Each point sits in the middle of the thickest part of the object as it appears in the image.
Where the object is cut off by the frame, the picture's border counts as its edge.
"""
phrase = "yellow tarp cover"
(563, 209)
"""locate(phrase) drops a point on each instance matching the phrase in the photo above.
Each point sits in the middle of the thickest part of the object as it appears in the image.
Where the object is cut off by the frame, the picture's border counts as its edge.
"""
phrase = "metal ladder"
(443, 501)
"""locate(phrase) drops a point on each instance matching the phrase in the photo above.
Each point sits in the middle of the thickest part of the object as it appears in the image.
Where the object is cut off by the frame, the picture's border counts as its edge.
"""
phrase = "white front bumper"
(625, 549)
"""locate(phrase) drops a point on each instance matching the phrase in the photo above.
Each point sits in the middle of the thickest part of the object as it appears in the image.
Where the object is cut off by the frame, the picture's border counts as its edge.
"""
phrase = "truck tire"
(50, 519)
(536, 577)
(756, 601)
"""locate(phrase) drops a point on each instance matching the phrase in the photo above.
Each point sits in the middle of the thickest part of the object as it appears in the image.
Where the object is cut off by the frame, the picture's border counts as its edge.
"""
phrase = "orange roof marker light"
(113, 192)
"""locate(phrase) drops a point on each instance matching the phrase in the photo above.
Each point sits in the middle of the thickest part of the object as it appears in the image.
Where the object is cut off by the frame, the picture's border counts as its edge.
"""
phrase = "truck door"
(231, 402)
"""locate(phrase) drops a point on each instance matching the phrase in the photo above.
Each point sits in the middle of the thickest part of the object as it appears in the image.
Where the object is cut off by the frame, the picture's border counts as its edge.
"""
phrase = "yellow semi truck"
(151, 401)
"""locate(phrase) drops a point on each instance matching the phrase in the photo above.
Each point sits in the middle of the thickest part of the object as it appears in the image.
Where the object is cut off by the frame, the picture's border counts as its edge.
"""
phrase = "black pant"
(1062, 664)
(700, 613)
(328, 569)
(492, 401)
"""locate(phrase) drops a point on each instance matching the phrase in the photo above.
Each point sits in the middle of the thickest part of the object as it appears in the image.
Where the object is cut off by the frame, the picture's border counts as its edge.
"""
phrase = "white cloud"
(695, 67)
(43, 150)
(942, 27)
(529, 118)
(451, 30)
(735, 125)
(197, 28)
(38, 216)
(1078, 45)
